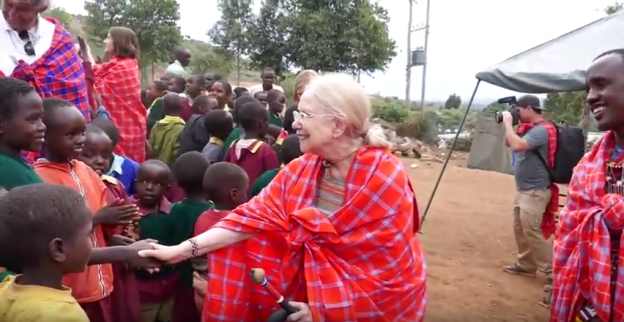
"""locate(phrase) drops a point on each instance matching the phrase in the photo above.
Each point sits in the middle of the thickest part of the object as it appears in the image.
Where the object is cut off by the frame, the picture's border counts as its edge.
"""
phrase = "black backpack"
(570, 150)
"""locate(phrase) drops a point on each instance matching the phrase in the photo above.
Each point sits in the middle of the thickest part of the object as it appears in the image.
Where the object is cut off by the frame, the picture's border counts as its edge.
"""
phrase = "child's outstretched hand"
(116, 213)
(133, 259)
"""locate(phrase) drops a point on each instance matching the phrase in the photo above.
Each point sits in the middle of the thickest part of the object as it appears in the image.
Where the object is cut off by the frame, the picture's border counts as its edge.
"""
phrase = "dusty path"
(468, 238)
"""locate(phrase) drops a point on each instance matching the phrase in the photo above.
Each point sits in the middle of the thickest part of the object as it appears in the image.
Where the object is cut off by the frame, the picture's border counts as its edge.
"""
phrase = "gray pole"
(424, 71)
(408, 68)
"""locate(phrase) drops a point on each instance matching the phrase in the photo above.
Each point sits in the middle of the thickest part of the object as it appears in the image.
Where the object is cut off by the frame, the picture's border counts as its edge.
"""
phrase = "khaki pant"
(534, 251)
(158, 312)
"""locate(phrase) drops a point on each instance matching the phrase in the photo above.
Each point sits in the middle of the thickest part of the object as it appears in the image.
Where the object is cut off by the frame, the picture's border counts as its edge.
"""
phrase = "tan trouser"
(534, 251)
(158, 312)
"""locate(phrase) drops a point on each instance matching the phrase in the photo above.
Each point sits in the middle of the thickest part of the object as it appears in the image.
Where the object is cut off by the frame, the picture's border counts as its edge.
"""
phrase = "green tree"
(154, 22)
(64, 17)
(495, 107)
(339, 35)
(453, 102)
(565, 107)
(617, 6)
(231, 33)
(269, 38)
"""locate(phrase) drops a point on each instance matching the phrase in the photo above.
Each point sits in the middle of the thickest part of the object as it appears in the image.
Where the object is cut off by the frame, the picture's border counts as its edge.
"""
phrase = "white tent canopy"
(558, 65)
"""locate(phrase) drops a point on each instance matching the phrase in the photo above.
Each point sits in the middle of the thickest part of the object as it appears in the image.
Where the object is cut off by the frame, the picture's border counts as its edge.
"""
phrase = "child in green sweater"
(188, 171)
(290, 150)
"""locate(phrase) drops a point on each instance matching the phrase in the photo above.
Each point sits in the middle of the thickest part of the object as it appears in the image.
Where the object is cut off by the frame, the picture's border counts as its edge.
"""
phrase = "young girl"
(118, 83)
(222, 91)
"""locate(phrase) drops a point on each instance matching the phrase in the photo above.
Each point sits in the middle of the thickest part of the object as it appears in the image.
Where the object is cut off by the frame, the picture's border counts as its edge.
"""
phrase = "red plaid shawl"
(582, 263)
(548, 225)
(362, 263)
(58, 73)
(118, 83)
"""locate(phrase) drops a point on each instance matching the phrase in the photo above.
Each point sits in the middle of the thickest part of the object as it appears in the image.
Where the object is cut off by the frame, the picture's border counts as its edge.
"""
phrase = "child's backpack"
(570, 150)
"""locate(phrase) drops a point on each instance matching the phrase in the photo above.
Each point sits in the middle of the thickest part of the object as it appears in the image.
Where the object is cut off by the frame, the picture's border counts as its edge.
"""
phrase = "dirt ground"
(467, 240)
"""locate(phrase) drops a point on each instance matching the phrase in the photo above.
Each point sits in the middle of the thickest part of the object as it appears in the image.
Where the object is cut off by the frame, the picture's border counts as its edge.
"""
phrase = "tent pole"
(448, 156)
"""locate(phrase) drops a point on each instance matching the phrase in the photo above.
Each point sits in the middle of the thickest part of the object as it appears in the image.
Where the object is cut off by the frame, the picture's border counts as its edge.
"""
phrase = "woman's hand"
(167, 254)
(303, 313)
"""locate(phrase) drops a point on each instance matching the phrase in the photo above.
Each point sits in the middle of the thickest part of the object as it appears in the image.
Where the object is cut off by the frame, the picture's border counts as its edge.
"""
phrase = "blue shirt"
(125, 170)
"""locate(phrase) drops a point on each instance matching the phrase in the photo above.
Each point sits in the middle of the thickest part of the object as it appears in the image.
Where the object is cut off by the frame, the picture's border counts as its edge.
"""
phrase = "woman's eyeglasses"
(301, 117)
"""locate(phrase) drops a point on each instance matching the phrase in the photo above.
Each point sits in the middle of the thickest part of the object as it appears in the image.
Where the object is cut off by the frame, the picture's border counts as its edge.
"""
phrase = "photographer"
(533, 184)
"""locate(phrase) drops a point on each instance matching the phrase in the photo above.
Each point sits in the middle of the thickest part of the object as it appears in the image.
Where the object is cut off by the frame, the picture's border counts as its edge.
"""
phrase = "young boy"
(261, 97)
(237, 132)
(219, 124)
(58, 229)
(276, 101)
(290, 151)
(64, 136)
(227, 186)
(156, 91)
(164, 136)
(155, 290)
(189, 171)
(250, 152)
(195, 135)
(195, 86)
(96, 153)
(121, 168)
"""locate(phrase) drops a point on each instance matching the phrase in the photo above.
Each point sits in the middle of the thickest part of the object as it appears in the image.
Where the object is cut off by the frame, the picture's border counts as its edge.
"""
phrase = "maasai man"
(588, 278)
(182, 60)
(41, 52)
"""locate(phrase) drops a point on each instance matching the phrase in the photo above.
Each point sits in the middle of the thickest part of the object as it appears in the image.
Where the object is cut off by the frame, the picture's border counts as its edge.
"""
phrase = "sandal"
(517, 270)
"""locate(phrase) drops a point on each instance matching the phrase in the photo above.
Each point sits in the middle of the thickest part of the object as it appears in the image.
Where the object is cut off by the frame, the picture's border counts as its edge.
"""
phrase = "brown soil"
(467, 240)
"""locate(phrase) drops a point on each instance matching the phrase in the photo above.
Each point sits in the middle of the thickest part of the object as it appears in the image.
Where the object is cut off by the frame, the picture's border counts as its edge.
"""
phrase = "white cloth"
(41, 37)
(176, 69)
(258, 88)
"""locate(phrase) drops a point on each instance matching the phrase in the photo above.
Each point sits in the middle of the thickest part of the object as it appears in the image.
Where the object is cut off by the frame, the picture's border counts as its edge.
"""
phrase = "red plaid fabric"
(582, 264)
(362, 263)
(118, 83)
(548, 225)
(58, 73)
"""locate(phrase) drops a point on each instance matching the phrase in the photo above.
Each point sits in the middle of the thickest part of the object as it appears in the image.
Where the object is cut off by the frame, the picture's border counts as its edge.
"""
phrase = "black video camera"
(512, 109)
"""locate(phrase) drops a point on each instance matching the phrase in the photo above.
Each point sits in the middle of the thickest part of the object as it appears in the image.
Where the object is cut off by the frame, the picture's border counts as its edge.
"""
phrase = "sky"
(465, 37)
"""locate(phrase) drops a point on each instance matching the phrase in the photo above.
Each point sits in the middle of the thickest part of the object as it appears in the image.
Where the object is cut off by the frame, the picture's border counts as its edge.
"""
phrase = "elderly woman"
(334, 230)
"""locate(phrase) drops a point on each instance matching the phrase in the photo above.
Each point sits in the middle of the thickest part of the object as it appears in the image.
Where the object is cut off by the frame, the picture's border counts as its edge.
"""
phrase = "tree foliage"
(205, 58)
(338, 35)
(154, 22)
(269, 38)
(617, 6)
(62, 16)
(230, 34)
(453, 102)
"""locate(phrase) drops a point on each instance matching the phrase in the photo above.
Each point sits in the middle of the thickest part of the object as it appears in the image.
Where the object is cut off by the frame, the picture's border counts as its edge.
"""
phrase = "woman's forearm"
(213, 239)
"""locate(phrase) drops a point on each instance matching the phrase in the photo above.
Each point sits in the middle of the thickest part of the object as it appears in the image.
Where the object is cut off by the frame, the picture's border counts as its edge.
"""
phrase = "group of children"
(210, 151)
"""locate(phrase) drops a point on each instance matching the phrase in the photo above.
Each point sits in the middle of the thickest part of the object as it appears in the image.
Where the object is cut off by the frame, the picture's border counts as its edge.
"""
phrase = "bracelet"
(194, 248)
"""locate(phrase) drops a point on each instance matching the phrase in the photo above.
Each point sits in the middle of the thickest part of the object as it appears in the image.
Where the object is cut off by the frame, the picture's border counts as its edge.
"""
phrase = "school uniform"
(254, 156)
(213, 151)
(263, 181)
(164, 138)
(236, 134)
(125, 170)
(91, 288)
(155, 290)
(183, 217)
(14, 172)
(125, 302)
(275, 119)
(194, 136)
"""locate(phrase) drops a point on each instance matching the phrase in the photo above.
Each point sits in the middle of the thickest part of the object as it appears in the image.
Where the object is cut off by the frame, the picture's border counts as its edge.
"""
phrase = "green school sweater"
(275, 119)
(164, 138)
(234, 135)
(182, 220)
(263, 181)
(155, 113)
(156, 226)
(15, 172)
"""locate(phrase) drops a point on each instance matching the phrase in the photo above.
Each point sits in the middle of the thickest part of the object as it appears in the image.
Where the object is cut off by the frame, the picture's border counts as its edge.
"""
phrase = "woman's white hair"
(342, 96)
